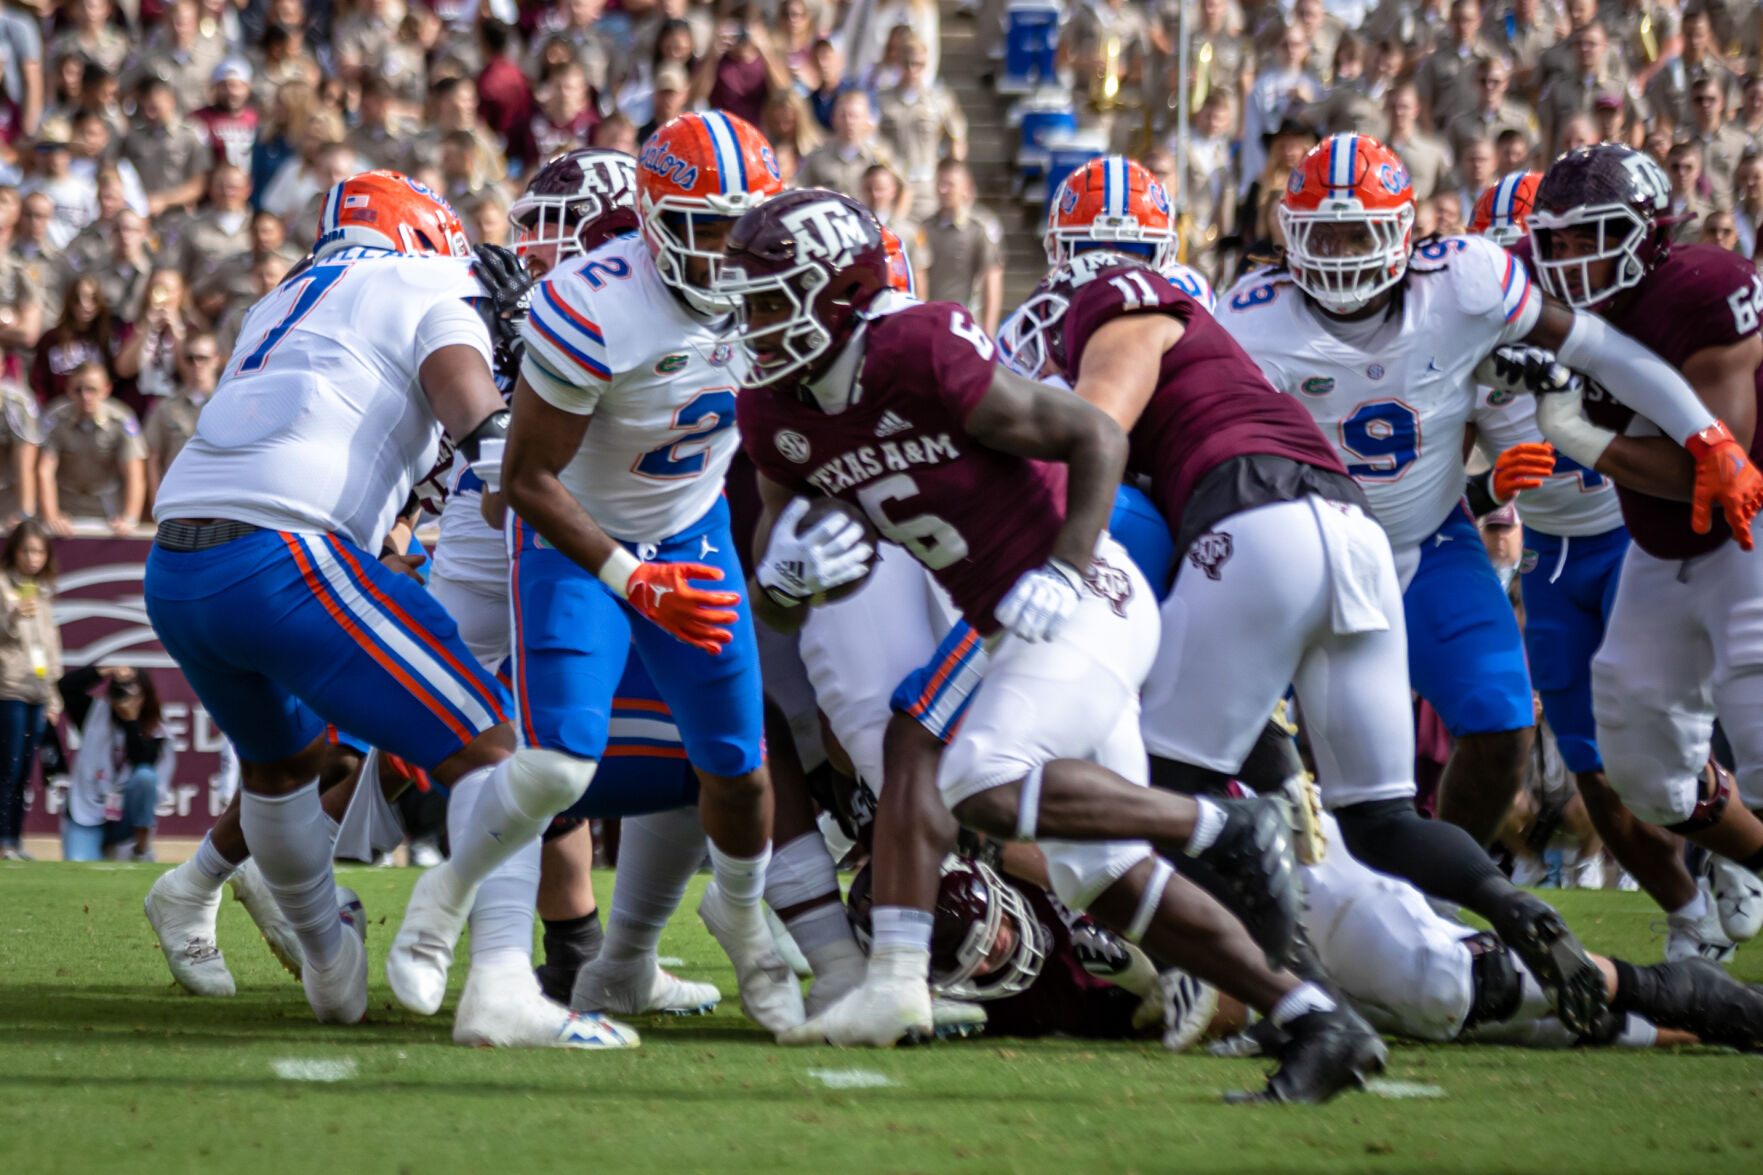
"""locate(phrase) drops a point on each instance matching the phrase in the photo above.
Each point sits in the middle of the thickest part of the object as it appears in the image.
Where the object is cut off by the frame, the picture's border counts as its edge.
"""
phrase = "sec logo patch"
(793, 445)
(1375, 371)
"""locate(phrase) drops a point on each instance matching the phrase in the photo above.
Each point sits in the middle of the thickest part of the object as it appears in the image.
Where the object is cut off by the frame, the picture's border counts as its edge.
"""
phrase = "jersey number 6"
(931, 540)
(1385, 437)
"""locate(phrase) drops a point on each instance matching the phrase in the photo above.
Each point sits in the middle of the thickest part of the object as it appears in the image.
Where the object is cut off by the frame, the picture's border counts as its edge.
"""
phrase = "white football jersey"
(605, 336)
(1576, 501)
(1393, 394)
(320, 424)
(469, 550)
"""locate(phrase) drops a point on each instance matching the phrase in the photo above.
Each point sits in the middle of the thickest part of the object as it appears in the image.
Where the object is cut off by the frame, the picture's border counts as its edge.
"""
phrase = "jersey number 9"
(1385, 437)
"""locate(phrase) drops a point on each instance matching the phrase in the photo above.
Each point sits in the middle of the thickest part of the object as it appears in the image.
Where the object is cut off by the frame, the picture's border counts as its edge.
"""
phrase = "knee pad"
(1082, 872)
(1717, 790)
(542, 783)
(1499, 989)
(800, 871)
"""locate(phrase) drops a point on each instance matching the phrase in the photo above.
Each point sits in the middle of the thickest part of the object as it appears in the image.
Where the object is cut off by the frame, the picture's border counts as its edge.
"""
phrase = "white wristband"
(616, 572)
(1564, 424)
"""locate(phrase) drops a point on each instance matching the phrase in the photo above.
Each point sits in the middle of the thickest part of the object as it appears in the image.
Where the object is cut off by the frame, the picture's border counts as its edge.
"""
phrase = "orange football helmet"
(712, 166)
(900, 275)
(1348, 219)
(1503, 211)
(388, 210)
(1114, 203)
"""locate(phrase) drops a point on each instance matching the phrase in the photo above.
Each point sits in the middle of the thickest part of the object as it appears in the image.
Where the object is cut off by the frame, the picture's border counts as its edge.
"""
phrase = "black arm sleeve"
(76, 692)
(1479, 490)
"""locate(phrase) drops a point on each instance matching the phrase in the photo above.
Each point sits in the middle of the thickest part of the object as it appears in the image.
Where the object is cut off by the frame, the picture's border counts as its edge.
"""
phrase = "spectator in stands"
(922, 123)
(1475, 175)
(21, 437)
(21, 67)
(91, 247)
(170, 154)
(265, 272)
(93, 462)
(1513, 151)
(742, 66)
(30, 666)
(179, 53)
(21, 309)
(37, 253)
(1286, 82)
(1750, 113)
(1718, 228)
(668, 99)
(1528, 32)
(1285, 149)
(1222, 61)
(830, 82)
(790, 127)
(881, 192)
(150, 339)
(230, 120)
(486, 221)
(1722, 143)
(1564, 59)
(1102, 42)
(576, 35)
(565, 116)
(1574, 93)
(1747, 202)
(1427, 160)
(1211, 185)
(869, 23)
(453, 107)
(958, 250)
(100, 91)
(85, 333)
(302, 177)
(616, 133)
(173, 421)
(1447, 79)
(359, 41)
(220, 230)
(75, 200)
(839, 164)
(90, 33)
(97, 150)
(673, 47)
(125, 271)
(1669, 92)
(794, 35)
(505, 94)
(1348, 105)
(66, 80)
(283, 58)
(1492, 112)
(123, 769)
(1683, 166)
(278, 140)
(381, 136)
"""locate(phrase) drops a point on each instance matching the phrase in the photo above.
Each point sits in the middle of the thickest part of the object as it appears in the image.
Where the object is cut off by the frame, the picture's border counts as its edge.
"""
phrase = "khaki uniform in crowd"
(190, 71)
(390, 146)
(1219, 61)
(1571, 95)
(20, 424)
(1445, 80)
(915, 125)
(1624, 24)
(840, 167)
(956, 250)
(109, 48)
(1525, 49)
(18, 287)
(170, 426)
(1721, 152)
(1473, 124)
(1428, 164)
(92, 454)
(166, 156)
(119, 284)
(1560, 63)
(209, 238)
(1345, 108)
(49, 272)
(1669, 91)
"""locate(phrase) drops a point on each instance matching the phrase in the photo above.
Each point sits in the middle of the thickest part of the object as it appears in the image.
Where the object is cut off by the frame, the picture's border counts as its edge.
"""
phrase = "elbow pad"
(483, 449)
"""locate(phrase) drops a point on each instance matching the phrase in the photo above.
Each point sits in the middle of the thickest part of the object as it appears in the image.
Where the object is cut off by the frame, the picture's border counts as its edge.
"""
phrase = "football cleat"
(956, 1019)
(1697, 995)
(771, 995)
(830, 986)
(1691, 938)
(1323, 1054)
(1738, 896)
(888, 1008)
(422, 951)
(338, 993)
(1573, 983)
(1262, 1038)
(183, 919)
(252, 892)
(786, 945)
(1251, 867)
(1187, 1005)
(502, 1007)
(640, 991)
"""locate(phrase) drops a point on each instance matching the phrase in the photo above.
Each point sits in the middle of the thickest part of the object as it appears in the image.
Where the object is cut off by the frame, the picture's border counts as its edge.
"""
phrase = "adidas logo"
(891, 422)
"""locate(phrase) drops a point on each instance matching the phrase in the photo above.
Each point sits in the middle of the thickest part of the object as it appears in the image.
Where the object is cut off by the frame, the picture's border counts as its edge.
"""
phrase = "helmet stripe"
(1114, 168)
(1506, 195)
(328, 216)
(730, 167)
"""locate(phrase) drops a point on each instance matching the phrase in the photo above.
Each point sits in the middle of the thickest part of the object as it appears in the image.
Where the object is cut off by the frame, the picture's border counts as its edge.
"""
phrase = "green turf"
(105, 1065)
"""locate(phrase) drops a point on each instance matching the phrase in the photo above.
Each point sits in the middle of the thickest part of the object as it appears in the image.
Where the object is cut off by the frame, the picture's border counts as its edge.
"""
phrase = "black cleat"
(1252, 870)
(1696, 995)
(1324, 1053)
(1573, 983)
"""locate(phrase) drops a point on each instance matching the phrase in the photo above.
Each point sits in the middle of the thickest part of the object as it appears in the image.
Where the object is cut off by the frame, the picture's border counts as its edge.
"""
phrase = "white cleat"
(879, 1013)
(1692, 938)
(956, 1019)
(830, 988)
(771, 995)
(422, 951)
(643, 991)
(1738, 896)
(183, 919)
(1187, 1004)
(338, 993)
(252, 892)
(502, 1007)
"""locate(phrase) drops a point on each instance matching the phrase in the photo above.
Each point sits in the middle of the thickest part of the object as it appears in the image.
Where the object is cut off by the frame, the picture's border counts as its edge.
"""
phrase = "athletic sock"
(490, 830)
(1301, 1000)
(288, 838)
(824, 934)
(1208, 823)
(502, 913)
(901, 926)
(657, 856)
(572, 942)
(741, 879)
(208, 869)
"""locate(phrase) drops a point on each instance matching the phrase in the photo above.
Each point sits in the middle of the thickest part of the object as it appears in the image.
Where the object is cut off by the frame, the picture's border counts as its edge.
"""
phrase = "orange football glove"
(1522, 467)
(663, 593)
(1724, 474)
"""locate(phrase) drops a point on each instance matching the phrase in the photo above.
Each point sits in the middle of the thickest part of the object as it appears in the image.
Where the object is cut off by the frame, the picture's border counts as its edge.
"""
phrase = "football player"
(1682, 644)
(1052, 751)
(622, 433)
(1380, 346)
(331, 408)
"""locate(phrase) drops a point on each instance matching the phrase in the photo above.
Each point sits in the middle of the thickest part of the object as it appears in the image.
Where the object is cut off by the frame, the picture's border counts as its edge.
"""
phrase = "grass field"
(106, 1065)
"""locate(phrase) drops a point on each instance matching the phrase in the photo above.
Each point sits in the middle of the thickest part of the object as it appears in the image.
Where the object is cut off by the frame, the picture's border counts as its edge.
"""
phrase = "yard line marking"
(850, 1078)
(671, 961)
(1403, 1089)
(312, 1069)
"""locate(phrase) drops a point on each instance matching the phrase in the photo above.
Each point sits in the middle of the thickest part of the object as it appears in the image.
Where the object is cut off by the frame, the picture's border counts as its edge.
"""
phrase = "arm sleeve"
(1635, 375)
(452, 323)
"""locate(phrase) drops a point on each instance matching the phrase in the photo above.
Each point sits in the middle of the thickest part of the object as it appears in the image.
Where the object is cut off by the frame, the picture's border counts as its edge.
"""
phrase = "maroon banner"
(103, 621)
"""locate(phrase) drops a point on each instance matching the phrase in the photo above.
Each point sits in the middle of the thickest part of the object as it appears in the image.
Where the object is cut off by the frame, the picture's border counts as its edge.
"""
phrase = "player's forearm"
(543, 504)
(1652, 465)
(1095, 467)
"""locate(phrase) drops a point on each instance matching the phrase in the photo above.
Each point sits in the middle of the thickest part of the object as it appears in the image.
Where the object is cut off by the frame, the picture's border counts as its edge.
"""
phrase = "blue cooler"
(1046, 116)
(1065, 155)
(1031, 34)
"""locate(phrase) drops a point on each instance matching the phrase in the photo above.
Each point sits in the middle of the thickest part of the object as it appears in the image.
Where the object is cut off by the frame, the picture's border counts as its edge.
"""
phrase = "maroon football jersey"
(1065, 999)
(1211, 404)
(1702, 296)
(976, 517)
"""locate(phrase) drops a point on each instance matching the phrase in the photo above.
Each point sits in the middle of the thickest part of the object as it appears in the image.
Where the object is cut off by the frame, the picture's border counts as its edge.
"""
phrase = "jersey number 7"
(296, 299)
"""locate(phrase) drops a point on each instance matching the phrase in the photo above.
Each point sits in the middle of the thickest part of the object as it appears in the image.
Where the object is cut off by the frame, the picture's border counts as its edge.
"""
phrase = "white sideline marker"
(851, 1078)
(312, 1069)
(671, 961)
(1403, 1089)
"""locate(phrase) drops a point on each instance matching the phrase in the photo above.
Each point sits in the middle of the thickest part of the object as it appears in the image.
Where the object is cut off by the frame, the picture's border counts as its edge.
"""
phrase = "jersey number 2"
(312, 286)
(699, 419)
(1385, 437)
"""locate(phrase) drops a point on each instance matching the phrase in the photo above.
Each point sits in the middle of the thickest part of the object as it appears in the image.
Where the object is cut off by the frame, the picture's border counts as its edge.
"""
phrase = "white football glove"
(796, 568)
(1041, 602)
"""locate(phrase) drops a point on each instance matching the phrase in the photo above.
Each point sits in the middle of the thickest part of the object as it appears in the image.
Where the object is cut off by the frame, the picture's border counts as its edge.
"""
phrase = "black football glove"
(1525, 369)
(508, 286)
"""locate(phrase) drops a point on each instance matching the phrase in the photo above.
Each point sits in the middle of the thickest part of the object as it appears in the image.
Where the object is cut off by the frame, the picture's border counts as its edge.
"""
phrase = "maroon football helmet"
(1596, 204)
(986, 943)
(803, 266)
(1032, 340)
(576, 202)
